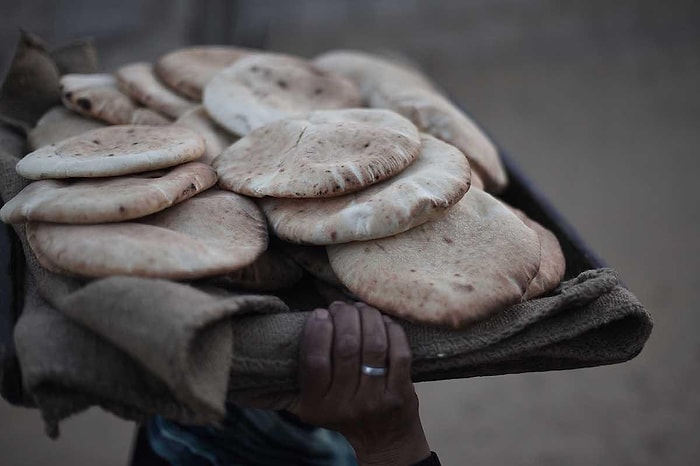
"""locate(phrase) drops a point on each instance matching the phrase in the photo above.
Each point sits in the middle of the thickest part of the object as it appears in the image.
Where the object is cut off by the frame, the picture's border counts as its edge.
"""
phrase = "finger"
(374, 350)
(346, 351)
(315, 366)
(399, 375)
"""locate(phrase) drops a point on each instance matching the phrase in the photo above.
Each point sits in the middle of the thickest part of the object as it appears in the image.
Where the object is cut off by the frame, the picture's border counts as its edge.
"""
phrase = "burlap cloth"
(139, 347)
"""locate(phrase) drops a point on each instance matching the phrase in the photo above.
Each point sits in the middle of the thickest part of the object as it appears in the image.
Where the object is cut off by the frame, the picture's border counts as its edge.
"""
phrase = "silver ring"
(373, 371)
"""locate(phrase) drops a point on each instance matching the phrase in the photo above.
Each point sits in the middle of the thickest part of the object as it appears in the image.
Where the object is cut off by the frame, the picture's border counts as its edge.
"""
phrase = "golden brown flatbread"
(263, 88)
(435, 181)
(58, 124)
(101, 200)
(140, 83)
(188, 70)
(96, 96)
(326, 154)
(214, 233)
(215, 137)
(112, 151)
(473, 262)
(388, 84)
(552, 261)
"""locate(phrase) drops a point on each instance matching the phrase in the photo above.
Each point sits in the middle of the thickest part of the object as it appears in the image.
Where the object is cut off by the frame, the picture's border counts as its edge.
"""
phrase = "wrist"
(406, 449)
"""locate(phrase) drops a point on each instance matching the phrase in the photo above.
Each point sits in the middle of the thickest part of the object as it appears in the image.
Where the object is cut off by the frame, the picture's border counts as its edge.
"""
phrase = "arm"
(378, 414)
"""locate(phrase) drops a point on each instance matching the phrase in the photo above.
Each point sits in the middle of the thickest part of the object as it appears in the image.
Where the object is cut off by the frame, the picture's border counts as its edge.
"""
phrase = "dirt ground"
(600, 104)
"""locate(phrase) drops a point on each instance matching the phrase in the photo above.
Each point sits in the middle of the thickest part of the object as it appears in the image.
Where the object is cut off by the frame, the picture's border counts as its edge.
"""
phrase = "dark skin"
(377, 414)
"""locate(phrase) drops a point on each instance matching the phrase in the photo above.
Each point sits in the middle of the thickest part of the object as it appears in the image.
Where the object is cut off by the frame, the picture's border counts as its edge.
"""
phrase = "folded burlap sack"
(135, 346)
(139, 347)
(589, 320)
(11, 263)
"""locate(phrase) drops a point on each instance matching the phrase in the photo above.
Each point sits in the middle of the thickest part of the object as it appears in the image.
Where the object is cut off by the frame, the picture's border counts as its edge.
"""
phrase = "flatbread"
(425, 190)
(263, 88)
(271, 271)
(112, 151)
(58, 124)
(473, 262)
(477, 180)
(100, 200)
(215, 137)
(366, 70)
(552, 261)
(140, 83)
(188, 70)
(97, 96)
(326, 154)
(50, 266)
(213, 233)
(387, 84)
(145, 116)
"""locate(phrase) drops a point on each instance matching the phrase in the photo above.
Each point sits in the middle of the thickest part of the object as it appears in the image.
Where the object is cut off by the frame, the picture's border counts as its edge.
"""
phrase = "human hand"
(377, 414)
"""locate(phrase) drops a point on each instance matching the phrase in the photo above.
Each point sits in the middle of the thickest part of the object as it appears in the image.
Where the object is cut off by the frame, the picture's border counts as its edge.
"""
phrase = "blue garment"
(249, 437)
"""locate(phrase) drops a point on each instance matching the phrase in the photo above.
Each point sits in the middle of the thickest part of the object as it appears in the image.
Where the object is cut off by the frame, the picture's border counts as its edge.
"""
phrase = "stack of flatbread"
(142, 94)
(395, 192)
(369, 178)
(131, 200)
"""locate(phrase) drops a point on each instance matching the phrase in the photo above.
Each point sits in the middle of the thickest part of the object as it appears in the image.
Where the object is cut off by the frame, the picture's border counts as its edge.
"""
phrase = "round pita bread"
(271, 271)
(141, 84)
(216, 138)
(58, 124)
(424, 190)
(188, 70)
(552, 261)
(477, 180)
(387, 84)
(145, 116)
(73, 82)
(97, 96)
(263, 88)
(473, 262)
(367, 70)
(112, 151)
(48, 265)
(326, 154)
(107, 199)
(211, 234)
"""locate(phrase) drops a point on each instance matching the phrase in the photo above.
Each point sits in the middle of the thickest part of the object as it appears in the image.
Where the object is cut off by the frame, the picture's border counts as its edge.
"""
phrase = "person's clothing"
(249, 437)
(253, 437)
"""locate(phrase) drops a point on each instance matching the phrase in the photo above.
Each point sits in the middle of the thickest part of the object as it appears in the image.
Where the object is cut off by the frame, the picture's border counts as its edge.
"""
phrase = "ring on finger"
(373, 371)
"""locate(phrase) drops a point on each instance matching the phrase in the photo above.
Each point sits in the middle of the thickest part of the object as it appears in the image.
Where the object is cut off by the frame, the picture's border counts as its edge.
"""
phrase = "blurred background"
(598, 101)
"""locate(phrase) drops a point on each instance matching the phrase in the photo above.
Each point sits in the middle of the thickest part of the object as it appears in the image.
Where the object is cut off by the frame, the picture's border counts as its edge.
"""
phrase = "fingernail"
(321, 314)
